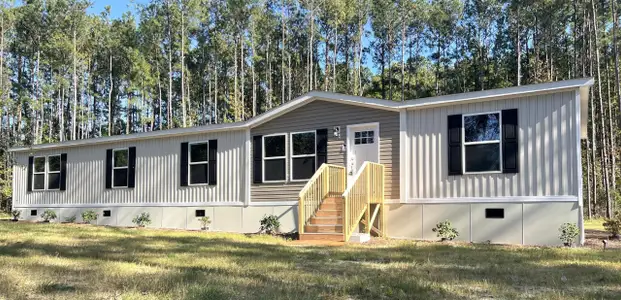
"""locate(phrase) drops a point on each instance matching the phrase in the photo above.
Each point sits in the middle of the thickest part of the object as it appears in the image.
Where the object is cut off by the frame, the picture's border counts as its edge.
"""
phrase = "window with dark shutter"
(198, 162)
(131, 168)
(120, 166)
(183, 165)
(303, 155)
(63, 171)
(38, 171)
(53, 172)
(30, 173)
(481, 143)
(274, 157)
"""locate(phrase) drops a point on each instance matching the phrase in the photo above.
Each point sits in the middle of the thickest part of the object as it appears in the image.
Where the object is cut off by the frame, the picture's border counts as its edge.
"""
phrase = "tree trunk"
(183, 104)
(609, 212)
(170, 44)
(74, 116)
(110, 120)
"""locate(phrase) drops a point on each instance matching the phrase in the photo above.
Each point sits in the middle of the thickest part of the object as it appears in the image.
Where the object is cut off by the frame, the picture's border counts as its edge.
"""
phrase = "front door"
(362, 145)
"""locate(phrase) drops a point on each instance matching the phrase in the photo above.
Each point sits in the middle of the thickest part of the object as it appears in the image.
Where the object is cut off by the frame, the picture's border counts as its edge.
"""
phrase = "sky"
(117, 7)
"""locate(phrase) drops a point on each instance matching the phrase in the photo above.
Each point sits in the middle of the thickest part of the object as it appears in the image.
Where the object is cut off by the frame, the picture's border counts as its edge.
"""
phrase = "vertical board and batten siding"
(548, 157)
(157, 174)
(325, 114)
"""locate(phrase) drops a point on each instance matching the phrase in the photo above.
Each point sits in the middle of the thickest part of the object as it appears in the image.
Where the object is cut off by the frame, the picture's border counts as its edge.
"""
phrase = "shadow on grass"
(264, 269)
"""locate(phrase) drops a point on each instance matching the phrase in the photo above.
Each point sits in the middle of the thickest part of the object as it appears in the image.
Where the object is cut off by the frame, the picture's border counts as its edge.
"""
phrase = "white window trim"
(34, 172)
(292, 156)
(48, 172)
(263, 158)
(119, 168)
(190, 163)
(464, 143)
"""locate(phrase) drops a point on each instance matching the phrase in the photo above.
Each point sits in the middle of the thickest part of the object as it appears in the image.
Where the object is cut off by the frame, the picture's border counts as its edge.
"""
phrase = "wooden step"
(333, 200)
(337, 237)
(329, 213)
(326, 220)
(323, 228)
(331, 206)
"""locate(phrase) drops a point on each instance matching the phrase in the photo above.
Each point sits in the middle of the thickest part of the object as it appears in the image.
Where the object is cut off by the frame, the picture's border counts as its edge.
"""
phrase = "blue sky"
(117, 7)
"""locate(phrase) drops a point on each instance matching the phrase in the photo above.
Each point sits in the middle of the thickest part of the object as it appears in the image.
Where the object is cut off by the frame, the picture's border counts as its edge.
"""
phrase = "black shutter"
(454, 145)
(30, 165)
(257, 155)
(183, 167)
(109, 168)
(322, 147)
(131, 168)
(63, 171)
(213, 161)
(510, 155)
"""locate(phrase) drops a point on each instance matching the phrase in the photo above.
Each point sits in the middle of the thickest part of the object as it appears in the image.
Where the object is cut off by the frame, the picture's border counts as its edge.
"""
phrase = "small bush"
(205, 222)
(142, 219)
(446, 231)
(70, 219)
(89, 215)
(16, 214)
(568, 233)
(48, 215)
(270, 224)
(613, 226)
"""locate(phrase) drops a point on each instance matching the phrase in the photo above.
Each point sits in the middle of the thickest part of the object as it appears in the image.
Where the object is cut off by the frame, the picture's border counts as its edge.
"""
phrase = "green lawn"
(594, 224)
(44, 261)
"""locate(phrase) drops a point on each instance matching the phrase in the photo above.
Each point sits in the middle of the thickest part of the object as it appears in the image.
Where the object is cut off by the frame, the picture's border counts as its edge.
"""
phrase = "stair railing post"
(301, 217)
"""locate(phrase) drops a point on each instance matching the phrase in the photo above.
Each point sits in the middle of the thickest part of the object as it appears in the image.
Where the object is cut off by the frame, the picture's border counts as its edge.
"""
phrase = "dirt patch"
(595, 238)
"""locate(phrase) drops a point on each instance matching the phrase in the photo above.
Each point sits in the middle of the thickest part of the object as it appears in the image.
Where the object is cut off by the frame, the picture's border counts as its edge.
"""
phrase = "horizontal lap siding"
(157, 174)
(547, 139)
(324, 114)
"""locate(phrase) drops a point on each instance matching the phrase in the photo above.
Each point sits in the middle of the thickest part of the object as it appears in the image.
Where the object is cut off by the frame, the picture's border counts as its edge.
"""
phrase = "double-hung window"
(481, 143)
(199, 162)
(53, 172)
(38, 174)
(303, 155)
(274, 157)
(120, 167)
(46, 173)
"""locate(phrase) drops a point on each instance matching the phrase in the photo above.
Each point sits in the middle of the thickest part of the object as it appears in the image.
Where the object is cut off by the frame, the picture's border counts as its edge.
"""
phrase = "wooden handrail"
(367, 188)
(328, 180)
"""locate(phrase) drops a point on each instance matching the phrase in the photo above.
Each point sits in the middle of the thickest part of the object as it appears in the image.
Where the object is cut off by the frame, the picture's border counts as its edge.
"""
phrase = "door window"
(364, 137)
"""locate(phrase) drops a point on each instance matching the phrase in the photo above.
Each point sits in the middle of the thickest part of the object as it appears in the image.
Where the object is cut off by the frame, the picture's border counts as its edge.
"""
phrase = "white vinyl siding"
(548, 166)
(157, 174)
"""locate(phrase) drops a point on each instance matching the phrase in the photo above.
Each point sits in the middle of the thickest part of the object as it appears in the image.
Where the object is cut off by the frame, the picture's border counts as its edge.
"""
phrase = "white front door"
(362, 145)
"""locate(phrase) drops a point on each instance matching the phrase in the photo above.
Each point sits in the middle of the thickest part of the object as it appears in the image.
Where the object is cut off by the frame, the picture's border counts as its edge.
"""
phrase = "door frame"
(350, 142)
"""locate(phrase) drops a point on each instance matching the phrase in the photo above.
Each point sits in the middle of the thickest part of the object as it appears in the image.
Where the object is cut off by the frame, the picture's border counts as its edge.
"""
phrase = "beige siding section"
(324, 114)
(548, 155)
(157, 174)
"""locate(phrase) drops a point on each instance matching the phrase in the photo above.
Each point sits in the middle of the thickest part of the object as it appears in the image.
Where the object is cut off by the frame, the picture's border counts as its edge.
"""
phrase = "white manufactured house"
(502, 165)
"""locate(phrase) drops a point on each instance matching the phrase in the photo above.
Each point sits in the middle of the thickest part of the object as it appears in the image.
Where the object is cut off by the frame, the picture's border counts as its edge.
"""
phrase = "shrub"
(446, 231)
(16, 214)
(70, 219)
(270, 224)
(205, 221)
(613, 226)
(89, 215)
(568, 233)
(48, 215)
(142, 219)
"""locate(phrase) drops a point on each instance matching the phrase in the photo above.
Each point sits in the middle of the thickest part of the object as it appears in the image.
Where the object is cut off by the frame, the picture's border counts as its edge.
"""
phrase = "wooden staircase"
(327, 222)
(330, 210)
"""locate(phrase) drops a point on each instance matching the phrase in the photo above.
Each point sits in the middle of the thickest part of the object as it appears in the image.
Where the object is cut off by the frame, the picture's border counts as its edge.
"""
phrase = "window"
(107, 213)
(53, 172)
(38, 174)
(274, 157)
(198, 162)
(481, 143)
(303, 151)
(46, 173)
(364, 137)
(120, 163)
(199, 213)
(494, 213)
(33, 212)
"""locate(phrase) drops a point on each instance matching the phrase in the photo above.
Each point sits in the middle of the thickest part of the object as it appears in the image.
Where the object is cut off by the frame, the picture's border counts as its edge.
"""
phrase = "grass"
(594, 224)
(43, 261)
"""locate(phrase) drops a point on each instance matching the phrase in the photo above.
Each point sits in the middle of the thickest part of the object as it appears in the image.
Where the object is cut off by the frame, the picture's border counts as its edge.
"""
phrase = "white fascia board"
(497, 94)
